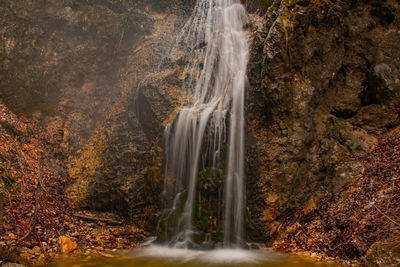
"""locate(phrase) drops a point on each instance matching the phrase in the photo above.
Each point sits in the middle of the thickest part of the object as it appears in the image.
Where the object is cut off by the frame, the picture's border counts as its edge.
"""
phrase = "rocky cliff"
(324, 83)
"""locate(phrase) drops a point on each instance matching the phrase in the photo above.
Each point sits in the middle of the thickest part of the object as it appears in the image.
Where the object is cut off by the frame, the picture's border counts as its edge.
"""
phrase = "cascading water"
(205, 141)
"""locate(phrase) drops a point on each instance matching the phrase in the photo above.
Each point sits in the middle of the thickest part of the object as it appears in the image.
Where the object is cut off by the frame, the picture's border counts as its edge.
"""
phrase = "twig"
(34, 221)
(80, 236)
(390, 219)
(42, 248)
(40, 177)
(97, 219)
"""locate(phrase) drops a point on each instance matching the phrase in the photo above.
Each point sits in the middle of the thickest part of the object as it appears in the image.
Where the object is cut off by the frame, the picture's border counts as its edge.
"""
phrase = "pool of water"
(158, 256)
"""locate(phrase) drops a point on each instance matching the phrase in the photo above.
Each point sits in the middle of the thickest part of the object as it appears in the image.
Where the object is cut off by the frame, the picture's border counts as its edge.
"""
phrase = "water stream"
(156, 256)
(205, 142)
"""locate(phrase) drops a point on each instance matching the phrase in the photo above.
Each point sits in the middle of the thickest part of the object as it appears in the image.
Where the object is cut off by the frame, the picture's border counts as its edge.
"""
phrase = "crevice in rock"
(344, 114)
(382, 14)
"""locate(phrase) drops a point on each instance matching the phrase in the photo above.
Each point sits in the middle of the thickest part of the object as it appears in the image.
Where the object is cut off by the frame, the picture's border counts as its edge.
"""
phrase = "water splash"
(232, 257)
(209, 130)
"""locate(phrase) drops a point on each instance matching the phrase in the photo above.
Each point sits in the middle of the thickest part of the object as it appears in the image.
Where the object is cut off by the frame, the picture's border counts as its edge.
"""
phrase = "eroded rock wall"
(324, 81)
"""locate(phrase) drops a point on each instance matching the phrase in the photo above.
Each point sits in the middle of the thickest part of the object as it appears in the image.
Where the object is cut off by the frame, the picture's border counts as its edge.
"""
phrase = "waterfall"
(204, 144)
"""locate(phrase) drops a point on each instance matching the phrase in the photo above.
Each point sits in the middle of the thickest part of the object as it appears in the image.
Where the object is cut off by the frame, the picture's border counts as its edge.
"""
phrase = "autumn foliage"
(32, 183)
(364, 212)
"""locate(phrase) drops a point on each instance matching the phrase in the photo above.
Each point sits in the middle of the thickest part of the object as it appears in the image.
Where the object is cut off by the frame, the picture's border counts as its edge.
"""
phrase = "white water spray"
(215, 47)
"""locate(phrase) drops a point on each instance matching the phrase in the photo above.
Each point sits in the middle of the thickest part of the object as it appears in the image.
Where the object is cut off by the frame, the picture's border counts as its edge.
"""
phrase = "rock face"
(77, 66)
(324, 81)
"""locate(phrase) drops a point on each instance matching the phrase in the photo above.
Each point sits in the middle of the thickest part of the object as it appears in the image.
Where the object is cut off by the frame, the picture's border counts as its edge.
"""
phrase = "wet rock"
(66, 244)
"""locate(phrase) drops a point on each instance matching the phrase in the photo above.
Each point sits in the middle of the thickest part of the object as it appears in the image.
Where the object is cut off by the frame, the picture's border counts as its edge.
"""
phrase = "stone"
(66, 244)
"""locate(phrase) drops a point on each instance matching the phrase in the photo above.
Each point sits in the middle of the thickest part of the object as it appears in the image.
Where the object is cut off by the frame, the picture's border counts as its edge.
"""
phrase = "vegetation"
(82, 168)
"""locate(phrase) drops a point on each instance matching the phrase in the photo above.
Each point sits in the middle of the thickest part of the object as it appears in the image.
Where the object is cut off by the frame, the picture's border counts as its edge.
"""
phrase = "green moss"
(83, 167)
(227, 118)
(35, 76)
(24, 53)
(216, 175)
(9, 181)
(28, 131)
(200, 218)
(204, 174)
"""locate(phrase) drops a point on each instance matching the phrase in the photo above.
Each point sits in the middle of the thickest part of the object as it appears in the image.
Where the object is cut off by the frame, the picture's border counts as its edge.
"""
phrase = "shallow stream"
(168, 257)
